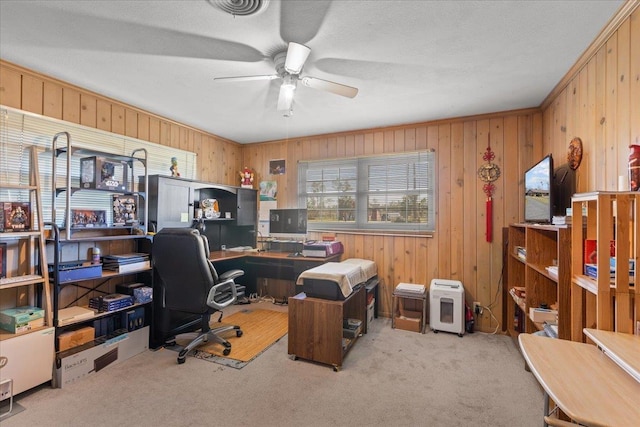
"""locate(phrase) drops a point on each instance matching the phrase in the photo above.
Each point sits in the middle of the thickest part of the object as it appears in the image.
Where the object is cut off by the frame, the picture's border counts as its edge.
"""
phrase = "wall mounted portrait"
(276, 167)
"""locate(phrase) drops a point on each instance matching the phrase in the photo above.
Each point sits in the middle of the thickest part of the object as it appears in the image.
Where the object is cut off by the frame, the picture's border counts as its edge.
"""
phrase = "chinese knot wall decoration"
(488, 173)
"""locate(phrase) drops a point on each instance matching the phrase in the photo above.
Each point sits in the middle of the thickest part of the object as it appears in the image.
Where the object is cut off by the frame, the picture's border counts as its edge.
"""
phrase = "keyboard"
(16, 279)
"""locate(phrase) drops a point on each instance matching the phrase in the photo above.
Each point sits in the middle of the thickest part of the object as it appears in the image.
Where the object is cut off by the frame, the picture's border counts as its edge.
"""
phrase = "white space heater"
(446, 306)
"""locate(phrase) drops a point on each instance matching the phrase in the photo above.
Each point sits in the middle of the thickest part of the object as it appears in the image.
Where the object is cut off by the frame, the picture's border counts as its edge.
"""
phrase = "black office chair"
(190, 284)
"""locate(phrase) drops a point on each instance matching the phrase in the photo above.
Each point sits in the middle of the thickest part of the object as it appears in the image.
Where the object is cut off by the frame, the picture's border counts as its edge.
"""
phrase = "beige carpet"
(260, 330)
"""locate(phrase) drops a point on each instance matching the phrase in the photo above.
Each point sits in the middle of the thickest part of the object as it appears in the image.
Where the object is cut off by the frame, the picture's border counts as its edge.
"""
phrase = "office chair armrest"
(222, 286)
(231, 274)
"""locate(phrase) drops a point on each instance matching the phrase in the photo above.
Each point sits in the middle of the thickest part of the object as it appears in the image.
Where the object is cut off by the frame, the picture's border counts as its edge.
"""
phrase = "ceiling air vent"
(240, 7)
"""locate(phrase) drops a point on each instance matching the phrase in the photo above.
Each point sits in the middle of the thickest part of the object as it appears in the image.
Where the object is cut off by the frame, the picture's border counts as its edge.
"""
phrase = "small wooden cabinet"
(316, 327)
(538, 262)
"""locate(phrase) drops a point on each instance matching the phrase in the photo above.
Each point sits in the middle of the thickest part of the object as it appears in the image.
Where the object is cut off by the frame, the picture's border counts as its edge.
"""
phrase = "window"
(390, 192)
(19, 130)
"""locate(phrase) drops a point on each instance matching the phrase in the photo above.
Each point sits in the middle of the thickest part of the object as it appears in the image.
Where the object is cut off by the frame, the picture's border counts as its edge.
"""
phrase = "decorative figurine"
(174, 167)
(246, 178)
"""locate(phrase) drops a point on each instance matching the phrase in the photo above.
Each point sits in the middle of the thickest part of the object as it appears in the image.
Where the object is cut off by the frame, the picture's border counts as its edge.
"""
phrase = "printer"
(316, 249)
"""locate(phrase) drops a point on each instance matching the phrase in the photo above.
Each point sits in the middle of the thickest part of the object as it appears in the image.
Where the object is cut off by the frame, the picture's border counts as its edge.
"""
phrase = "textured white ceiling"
(411, 60)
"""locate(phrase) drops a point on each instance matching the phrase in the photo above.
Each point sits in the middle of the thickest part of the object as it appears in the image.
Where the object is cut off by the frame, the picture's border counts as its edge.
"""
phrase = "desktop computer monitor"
(288, 224)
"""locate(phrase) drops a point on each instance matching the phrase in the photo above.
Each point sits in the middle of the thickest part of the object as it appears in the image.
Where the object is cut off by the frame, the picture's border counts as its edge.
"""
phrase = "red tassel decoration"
(489, 234)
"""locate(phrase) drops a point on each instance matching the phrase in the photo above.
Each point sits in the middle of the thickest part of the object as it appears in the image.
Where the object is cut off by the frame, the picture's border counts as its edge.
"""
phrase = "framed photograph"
(17, 216)
(3, 260)
(85, 218)
(125, 209)
(277, 167)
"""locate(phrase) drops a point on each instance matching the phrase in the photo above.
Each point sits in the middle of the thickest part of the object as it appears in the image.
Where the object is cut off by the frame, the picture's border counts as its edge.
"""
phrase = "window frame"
(362, 192)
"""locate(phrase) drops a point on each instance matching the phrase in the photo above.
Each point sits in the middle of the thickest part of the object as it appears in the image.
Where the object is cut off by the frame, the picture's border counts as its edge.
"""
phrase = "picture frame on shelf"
(88, 218)
(125, 210)
(17, 216)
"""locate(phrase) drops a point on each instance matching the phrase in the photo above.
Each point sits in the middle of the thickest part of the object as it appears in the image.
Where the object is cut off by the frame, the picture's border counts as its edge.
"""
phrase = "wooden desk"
(624, 349)
(588, 386)
(270, 265)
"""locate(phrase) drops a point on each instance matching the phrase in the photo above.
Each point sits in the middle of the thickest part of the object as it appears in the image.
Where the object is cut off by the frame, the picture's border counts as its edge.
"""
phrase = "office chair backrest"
(182, 268)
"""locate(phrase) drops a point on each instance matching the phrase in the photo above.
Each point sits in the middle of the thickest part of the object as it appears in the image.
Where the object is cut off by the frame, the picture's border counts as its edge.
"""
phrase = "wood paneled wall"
(219, 160)
(458, 249)
(599, 102)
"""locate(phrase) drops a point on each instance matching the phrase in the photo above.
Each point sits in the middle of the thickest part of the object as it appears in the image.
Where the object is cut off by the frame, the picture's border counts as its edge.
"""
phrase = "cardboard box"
(76, 364)
(21, 319)
(539, 315)
(371, 311)
(71, 339)
(409, 320)
(101, 173)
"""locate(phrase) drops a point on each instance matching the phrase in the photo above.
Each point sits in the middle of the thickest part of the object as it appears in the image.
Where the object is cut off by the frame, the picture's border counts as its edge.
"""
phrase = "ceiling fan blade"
(297, 54)
(112, 35)
(301, 20)
(247, 78)
(327, 86)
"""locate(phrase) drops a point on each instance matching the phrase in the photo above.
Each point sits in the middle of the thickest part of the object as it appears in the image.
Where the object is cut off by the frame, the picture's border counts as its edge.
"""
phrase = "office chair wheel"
(238, 333)
(182, 356)
(226, 351)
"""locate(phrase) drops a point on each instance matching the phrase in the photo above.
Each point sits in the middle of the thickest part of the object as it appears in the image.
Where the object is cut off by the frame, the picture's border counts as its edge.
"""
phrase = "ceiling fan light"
(289, 83)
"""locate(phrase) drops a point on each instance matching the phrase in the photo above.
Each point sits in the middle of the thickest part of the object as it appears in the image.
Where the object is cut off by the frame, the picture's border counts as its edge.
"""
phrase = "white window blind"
(389, 192)
(20, 130)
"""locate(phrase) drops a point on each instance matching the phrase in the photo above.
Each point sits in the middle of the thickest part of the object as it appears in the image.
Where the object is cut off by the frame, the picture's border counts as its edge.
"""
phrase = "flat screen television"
(288, 223)
(538, 192)
(564, 187)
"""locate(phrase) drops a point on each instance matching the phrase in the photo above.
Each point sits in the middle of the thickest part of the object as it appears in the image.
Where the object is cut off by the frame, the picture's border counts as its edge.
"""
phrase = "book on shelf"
(561, 220)
(521, 252)
(125, 258)
(553, 271)
(73, 314)
(128, 267)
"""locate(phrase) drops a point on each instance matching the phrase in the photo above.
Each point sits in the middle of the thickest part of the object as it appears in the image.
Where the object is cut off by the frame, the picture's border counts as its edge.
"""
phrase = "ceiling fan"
(289, 65)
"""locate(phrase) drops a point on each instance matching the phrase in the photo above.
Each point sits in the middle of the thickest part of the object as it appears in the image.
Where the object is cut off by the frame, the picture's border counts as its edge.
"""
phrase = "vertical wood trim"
(32, 93)
(103, 113)
(52, 100)
(130, 123)
(10, 88)
(117, 119)
(457, 200)
(634, 80)
(444, 199)
(88, 110)
(143, 127)
(70, 105)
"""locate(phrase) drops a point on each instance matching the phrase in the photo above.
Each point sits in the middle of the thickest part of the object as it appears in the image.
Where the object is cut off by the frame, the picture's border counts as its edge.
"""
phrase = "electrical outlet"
(477, 308)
